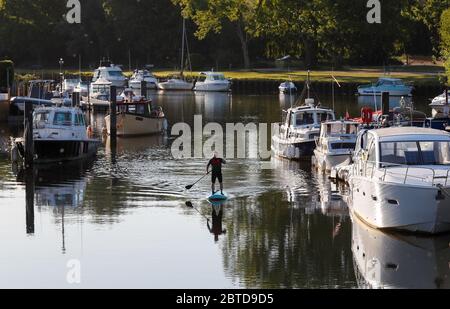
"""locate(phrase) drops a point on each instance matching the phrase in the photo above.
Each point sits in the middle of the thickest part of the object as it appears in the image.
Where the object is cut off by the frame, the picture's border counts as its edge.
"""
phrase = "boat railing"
(403, 175)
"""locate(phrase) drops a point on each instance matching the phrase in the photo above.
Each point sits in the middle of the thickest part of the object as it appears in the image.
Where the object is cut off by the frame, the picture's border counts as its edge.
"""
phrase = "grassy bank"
(419, 75)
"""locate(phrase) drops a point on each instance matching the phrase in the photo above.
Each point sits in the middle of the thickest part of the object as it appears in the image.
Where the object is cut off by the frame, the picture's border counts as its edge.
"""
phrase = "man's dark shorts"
(217, 176)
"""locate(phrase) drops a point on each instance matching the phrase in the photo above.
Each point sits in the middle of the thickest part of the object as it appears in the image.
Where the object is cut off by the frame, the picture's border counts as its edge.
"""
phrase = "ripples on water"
(123, 215)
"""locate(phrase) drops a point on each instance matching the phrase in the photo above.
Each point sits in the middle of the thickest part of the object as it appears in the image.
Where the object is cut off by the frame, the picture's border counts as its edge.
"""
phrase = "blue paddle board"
(217, 197)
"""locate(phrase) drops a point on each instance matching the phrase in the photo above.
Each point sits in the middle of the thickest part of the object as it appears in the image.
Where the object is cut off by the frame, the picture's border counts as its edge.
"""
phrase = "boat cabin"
(211, 77)
(308, 117)
(409, 146)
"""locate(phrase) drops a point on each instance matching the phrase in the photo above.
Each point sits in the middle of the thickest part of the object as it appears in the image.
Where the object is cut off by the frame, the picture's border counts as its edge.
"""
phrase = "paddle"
(190, 187)
(189, 205)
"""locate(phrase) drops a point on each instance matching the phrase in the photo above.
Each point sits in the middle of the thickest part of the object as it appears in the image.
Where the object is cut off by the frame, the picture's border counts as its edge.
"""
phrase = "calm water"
(123, 217)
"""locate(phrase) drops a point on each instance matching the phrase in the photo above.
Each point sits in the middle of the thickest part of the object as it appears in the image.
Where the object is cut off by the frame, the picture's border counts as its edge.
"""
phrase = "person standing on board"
(216, 164)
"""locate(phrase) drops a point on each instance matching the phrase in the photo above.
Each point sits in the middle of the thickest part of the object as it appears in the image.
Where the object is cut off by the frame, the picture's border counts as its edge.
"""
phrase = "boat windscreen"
(416, 153)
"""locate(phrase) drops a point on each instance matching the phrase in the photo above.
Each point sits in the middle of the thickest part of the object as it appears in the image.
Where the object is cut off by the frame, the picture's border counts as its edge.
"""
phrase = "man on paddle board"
(216, 164)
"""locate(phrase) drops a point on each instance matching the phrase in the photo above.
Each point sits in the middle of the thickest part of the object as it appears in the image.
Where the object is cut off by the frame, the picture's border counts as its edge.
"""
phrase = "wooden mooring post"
(144, 89)
(29, 200)
(28, 135)
(113, 118)
(385, 103)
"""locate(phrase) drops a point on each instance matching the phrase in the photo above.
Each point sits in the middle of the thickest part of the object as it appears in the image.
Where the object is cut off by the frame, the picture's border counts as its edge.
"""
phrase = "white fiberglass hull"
(132, 125)
(137, 84)
(392, 92)
(213, 87)
(387, 205)
(293, 149)
(326, 162)
(179, 85)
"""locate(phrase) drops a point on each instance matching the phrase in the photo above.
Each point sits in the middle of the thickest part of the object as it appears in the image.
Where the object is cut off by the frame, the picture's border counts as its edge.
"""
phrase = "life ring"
(89, 132)
(366, 115)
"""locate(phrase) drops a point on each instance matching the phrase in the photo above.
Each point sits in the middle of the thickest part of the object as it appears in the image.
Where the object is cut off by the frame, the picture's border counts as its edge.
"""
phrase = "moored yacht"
(176, 83)
(60, 134)
(136, 116)
(335, 145)
(395, 87)
(399, 179)
(287, 88)
(143, 75)
(297, 137)
(212, 81)
(110, 72)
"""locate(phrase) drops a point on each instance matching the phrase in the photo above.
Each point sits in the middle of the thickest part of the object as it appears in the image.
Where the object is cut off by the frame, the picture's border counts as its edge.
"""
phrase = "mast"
(307, 85)
(182, 45)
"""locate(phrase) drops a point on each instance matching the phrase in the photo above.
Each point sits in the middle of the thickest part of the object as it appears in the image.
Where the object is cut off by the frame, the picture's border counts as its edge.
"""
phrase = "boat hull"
(212, 87)
(378, 92)
(175, 86)
(326, 162)
(412, 208)
(293, 151)
(52, 151)
(132, 125)
(137, 85)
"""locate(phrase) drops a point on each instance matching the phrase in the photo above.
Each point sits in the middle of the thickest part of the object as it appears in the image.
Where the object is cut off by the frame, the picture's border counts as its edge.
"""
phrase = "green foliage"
(445, 37)
(221, 33)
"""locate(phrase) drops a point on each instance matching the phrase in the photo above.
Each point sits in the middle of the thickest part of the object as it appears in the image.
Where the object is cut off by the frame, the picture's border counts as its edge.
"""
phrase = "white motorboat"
(399, 179)
(395, 87)
(60, 134)
(440, 107)
(297, 137)
(287, 87)
(69, 84)
(110, 72)
(399, 261)
(335, 145)
(176, 83)
(212, 81)
(143, 75)
(136, 116)
(82, 88)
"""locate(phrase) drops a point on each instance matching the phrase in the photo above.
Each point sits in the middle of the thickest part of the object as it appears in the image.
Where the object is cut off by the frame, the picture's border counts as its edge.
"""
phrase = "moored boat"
(60, 134)
(136, 116)
(399, 179)
(395, 87)
(212, 81)
(335, 145)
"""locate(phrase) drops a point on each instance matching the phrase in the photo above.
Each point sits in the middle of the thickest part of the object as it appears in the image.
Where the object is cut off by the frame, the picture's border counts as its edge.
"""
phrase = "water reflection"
(399, 261)
(214, 106)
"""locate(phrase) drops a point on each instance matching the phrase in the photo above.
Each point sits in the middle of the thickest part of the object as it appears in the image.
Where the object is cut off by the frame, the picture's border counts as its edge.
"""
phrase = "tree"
(210, 16)
(445, 39)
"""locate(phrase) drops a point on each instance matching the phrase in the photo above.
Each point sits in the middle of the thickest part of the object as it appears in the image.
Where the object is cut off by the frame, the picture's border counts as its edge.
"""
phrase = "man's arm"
(223, 161)
(207, 167)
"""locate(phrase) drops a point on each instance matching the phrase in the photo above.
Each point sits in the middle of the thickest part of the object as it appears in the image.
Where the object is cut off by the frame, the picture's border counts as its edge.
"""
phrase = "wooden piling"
(29, 200)
(144, 89)
(385, 103)
(113, 117)
(28, 135)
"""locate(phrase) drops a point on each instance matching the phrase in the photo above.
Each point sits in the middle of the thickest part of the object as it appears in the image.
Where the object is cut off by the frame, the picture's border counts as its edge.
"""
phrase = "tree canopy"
(223, 33)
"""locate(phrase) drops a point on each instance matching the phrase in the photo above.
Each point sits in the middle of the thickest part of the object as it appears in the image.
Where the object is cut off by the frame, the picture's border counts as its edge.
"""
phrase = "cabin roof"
(389, 133)
(390, 79)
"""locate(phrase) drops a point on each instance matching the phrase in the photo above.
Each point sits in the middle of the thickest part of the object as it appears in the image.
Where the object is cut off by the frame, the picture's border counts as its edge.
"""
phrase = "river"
(122, 218)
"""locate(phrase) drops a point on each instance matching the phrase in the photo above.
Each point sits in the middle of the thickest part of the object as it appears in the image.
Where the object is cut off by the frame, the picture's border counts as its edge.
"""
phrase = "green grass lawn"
(419, 75)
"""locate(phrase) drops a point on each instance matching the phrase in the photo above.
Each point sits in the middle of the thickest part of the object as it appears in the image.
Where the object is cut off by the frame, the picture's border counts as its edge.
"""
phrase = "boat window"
(115, 73)
(76, 119)
(405, 153)
(41, 117)
(140, 109)
(351, 129)
(337, 146)
(132, 109)
(435, 153)
(322, 117)
(302, 119)
(202, 78)
(63, 119)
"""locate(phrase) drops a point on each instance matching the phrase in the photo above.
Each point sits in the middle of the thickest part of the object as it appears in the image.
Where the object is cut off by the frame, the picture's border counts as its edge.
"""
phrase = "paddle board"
(218, 197)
